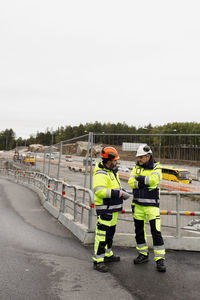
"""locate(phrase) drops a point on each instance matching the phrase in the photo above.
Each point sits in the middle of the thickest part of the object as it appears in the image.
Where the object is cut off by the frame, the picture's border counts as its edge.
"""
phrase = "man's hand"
(140, 178)
(120, 193)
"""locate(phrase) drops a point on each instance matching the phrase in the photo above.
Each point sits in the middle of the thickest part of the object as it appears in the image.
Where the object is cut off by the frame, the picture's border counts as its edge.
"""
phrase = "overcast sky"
(66, 62)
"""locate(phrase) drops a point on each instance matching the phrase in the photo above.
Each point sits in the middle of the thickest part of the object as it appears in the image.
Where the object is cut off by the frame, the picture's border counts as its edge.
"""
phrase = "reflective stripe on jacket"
(106, 186)
(147, 193)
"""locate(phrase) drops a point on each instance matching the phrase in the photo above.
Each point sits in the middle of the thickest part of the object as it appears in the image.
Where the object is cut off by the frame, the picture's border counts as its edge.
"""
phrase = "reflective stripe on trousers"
(105, 230)
(140, 213)
(142, 249)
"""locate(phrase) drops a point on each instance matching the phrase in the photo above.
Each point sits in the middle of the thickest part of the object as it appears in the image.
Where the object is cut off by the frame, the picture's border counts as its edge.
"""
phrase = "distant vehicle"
(123, 169)
(28, 159)
(68, 158)
(50, 156)
(89, 161)
(176, 174)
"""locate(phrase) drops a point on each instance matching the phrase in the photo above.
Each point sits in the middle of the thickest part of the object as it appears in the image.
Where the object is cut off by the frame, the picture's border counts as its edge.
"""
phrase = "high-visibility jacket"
(147, 191)
(106, 186)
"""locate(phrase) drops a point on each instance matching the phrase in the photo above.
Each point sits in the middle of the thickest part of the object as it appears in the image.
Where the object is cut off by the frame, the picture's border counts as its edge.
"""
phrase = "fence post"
(85, 177)
(59, 162)
(91, 157)
(178, 219)
(49, 160)
(44, 161)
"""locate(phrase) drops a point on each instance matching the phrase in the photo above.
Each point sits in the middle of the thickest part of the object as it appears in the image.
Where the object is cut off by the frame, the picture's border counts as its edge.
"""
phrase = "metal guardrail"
(57, 193)
(54, 192)
(178, 212)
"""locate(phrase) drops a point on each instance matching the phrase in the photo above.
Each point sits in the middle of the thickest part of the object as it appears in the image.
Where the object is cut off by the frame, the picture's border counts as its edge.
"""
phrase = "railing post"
(62, 202)
(178, 217)
(90, 212)
(55, 194)
(75, 206)
(48, 187)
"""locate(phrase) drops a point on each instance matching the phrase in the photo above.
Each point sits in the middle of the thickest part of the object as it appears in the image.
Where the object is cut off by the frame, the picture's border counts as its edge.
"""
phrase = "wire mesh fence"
(72, 162)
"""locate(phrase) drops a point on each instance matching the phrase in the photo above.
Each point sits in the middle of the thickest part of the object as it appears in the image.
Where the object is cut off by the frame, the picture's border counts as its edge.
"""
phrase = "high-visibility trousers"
(140, 213)
(105, 230)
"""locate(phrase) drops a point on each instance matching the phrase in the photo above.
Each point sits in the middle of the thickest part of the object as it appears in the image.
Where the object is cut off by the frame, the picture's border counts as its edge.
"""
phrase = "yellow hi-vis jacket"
(145, 182)
(106, 186)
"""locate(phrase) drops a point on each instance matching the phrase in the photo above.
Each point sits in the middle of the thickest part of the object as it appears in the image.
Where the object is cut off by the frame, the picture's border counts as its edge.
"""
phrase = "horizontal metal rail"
(49, 185)
(57, 192)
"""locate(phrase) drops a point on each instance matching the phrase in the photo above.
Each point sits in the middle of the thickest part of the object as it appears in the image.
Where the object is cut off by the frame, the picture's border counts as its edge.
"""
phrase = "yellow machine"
(176, 174)
(28, 159)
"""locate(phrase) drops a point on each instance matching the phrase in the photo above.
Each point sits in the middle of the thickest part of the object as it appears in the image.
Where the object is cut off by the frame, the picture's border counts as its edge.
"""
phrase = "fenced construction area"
(62, 176)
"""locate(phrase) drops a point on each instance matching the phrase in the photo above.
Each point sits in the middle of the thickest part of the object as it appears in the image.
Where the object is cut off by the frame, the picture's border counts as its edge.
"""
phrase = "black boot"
(101, 267)
(161, 265)
(112, 258)
(141, 259)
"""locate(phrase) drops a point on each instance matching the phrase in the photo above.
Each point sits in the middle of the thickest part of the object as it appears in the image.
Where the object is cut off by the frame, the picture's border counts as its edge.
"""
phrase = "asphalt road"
(41, 259)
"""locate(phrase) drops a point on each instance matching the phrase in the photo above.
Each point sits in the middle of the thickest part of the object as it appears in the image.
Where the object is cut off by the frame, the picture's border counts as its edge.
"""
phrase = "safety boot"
(141, 259)
(160, 265)
(112, 258)
(101, 267)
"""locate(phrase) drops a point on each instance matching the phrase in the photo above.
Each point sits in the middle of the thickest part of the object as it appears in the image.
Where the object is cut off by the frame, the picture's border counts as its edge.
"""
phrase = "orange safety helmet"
(110, 153)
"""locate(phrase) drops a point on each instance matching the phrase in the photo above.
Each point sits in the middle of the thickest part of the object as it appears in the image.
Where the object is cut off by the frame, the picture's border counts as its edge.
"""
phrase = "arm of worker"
(100, 184)
(152, 180)
(133, 183)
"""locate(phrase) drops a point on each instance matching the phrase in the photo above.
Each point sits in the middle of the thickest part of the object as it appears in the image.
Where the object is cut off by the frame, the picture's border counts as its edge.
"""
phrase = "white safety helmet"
(143, 150)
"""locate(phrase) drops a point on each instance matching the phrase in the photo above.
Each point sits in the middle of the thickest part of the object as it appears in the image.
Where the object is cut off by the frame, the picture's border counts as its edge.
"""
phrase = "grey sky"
(70, 62)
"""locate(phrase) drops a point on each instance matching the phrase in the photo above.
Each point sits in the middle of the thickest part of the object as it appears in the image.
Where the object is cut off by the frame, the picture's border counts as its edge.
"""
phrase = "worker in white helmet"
(145, 182)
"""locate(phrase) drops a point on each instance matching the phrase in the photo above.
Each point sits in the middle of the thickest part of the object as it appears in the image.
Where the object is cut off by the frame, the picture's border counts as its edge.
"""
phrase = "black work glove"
(141, 185)
(140, 178)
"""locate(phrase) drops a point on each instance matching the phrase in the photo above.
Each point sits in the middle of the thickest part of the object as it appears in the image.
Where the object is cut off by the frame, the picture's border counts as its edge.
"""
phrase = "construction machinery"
(28, 159)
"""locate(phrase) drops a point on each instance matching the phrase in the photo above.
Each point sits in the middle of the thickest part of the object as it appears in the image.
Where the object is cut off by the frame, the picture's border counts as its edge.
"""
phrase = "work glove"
(140, 178)
(141, 185)
(115, 197)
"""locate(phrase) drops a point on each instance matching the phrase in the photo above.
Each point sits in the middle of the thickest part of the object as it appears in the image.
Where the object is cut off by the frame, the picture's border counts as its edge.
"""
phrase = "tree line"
(9, 141)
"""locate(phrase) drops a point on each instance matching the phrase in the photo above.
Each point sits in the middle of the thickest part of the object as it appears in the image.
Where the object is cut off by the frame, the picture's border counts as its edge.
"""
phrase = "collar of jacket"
(149, 165)
(102, 166)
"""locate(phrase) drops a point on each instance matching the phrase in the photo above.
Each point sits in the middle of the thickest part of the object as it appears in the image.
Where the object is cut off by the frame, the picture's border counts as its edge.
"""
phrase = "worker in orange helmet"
(108, 198)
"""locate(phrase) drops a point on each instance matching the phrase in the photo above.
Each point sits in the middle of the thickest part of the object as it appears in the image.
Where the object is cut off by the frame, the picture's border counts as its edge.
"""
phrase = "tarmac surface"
(41, 259)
